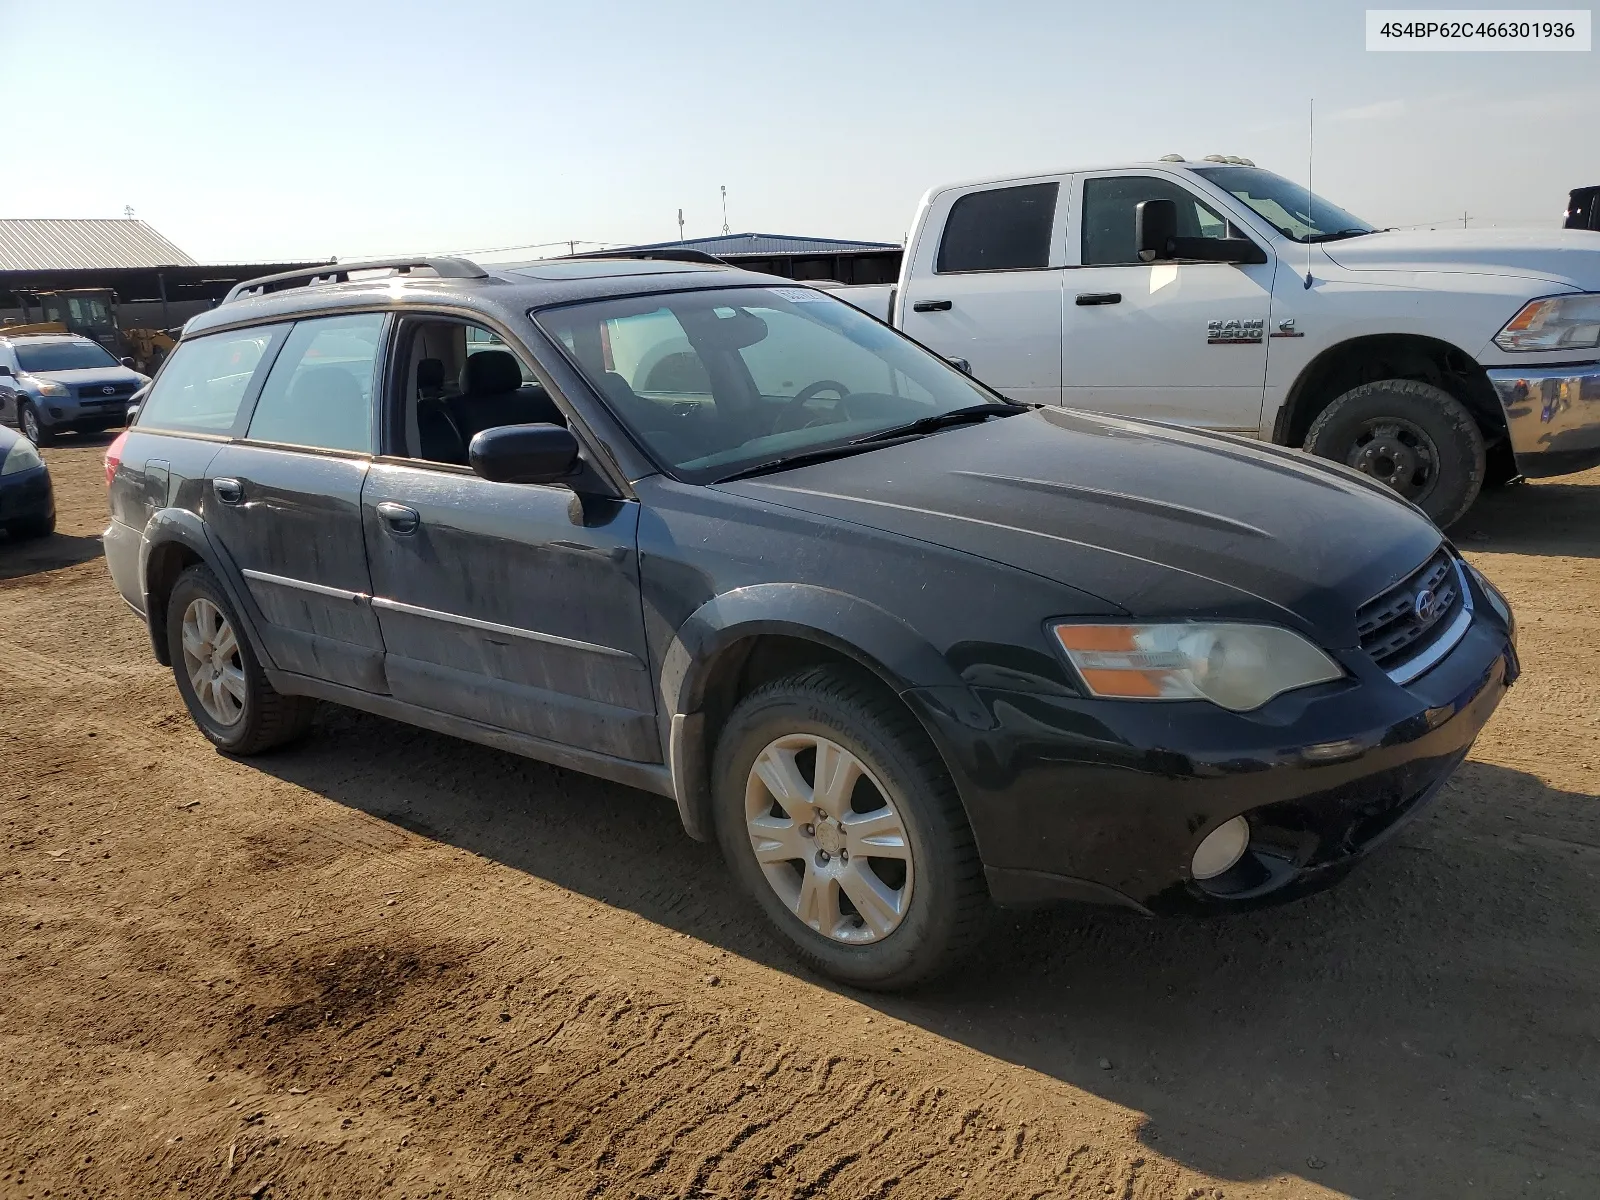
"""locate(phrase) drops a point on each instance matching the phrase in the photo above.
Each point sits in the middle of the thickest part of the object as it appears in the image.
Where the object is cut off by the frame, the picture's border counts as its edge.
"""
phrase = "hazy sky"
(248, 131)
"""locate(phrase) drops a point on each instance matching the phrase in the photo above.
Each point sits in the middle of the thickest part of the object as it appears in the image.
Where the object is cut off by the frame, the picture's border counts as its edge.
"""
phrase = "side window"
(205, 380)
(1006, 229)
(1108, 215)
(319, 392)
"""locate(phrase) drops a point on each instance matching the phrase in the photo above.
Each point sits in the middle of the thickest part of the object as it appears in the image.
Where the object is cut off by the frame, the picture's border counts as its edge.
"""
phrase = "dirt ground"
(387, 963)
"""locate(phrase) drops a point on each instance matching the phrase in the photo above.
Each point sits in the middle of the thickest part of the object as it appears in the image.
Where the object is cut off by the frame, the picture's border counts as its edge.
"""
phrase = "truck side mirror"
(1155, 228)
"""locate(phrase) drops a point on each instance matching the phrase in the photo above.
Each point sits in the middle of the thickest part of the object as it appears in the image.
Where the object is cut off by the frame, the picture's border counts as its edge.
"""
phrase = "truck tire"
(240, 711)
(892, 833)
(1413, 436)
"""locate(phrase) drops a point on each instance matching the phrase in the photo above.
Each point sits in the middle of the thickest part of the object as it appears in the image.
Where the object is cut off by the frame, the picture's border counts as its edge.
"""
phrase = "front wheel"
(839, 818)
(1413, 436)
(33, 427)
(218, 675)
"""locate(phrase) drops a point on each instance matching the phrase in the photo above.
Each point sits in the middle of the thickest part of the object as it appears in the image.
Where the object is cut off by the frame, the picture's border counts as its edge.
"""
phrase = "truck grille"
(1404, 628)
(97, 391)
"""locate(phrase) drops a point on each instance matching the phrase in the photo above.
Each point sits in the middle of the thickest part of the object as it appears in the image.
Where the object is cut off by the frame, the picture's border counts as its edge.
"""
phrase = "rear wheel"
(1412, 436)
(218, 674)
(838, 816)
(33, 426)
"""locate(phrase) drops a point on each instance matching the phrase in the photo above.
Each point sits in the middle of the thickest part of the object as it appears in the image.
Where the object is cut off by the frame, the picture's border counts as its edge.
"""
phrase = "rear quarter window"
(203, 384)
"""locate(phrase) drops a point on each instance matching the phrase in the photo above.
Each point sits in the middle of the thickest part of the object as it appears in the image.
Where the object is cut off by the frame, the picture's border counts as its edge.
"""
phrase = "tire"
(33, 426)
(32, 527)
(264, 718)
(1385, 429)
(939, 886)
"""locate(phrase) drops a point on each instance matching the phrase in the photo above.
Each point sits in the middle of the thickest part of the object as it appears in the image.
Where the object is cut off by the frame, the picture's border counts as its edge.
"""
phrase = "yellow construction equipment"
(91, 313)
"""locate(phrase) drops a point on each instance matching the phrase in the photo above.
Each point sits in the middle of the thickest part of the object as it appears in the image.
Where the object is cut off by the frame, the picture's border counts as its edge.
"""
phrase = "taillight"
(114, 456)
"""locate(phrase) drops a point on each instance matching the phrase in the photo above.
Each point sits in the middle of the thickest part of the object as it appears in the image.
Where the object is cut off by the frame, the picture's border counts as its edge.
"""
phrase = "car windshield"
(61, 356)
(1291, 209)
(716, 383)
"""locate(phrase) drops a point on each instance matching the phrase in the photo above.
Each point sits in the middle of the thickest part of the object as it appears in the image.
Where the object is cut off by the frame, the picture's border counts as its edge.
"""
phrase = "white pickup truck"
(1218, 295)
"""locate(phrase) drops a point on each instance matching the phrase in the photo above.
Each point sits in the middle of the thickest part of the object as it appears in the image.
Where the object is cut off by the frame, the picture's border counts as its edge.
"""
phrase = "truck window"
(1004, 229)
(1108, 212)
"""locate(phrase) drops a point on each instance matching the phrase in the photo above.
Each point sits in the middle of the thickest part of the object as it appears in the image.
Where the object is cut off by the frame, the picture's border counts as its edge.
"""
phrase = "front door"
(514, 605)
(1184, 342)
(993, 296)
(286, 501)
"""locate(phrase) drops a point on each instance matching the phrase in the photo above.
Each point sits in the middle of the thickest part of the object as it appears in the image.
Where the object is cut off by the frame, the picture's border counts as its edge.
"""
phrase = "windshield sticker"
(799, 295)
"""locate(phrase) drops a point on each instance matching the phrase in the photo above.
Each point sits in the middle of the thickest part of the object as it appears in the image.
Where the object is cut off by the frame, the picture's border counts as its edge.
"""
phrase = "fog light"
(55, 412)
(1223, 847)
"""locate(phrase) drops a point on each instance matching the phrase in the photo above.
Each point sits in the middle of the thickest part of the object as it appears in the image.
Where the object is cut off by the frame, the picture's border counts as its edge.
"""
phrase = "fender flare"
(179, 526)
(899, 656)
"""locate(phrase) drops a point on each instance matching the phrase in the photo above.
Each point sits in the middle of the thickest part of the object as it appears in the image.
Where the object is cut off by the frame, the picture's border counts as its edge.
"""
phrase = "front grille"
(1396, 629)
(97, 391)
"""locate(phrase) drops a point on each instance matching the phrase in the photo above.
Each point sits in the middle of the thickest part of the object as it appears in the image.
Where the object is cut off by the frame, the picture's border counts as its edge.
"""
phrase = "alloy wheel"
(829, 839)
(30, 424)
(212, 660)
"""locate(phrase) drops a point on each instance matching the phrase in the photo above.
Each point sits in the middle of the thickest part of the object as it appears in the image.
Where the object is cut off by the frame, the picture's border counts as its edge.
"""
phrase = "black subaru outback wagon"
(907, 649)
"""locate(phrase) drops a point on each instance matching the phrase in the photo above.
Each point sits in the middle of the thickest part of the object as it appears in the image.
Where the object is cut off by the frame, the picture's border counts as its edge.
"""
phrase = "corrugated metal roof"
(769, 243)
(45, 245)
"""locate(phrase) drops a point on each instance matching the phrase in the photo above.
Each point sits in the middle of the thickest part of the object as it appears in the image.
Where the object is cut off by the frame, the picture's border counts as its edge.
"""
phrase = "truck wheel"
(33, 427)
(1413, 436)
(839, 818)
(218, 674)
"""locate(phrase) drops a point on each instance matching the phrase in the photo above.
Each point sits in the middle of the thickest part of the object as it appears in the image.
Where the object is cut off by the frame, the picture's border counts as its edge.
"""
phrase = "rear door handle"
(1087, 298)
(931, 306)
(397, 518)
(229, 491)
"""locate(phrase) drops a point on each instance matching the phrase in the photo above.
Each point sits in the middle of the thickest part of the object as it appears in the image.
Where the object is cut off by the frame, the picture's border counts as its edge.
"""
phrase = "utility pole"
(680, 224)
(1463, 219)
(572, 247)
(725, 230)
(127, 211)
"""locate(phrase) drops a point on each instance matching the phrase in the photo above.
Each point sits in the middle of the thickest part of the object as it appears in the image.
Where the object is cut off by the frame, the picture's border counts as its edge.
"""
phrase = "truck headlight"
(1570, 322)
(46, 387)
(22, 457)
(1238, 667)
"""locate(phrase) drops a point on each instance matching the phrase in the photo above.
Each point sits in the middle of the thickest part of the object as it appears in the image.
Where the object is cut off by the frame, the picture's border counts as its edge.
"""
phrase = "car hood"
(1162, 522)
(89, 376)
(1569, 256)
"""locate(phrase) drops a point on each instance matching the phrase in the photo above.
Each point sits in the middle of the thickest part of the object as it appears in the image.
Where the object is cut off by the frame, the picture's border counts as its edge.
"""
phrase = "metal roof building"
(79, 245)
(797, 257)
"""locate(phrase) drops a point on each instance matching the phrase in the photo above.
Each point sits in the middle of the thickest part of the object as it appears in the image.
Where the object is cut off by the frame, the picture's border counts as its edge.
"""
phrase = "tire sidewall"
(198, 583)
(1455, 435)
(26, 408)
(754, 725)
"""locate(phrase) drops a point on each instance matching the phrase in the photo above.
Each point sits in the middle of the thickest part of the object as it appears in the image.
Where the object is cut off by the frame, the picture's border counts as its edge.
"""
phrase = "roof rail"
(665, 254)
(444, 268)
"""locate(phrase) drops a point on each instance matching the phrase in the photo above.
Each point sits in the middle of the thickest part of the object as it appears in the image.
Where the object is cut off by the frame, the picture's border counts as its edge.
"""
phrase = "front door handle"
(397, 518)
(931, 306)
(1087, 298)
(229, 491)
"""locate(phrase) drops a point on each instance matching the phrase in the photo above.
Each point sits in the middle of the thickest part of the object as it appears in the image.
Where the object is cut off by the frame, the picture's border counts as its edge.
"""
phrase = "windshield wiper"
(956, 416)
(1337, 235)
(805, 457)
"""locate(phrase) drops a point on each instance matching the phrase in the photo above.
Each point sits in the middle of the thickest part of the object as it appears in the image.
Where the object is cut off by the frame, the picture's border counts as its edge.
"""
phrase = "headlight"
(47, 387)
(23, 457)
(1554, 323)
(1239, 667)
(1501, 606)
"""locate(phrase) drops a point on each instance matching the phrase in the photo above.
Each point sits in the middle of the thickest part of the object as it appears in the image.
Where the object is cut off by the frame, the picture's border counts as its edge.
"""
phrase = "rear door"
(988, 290)
(1183, 342)
(285, 501)
(513, 605)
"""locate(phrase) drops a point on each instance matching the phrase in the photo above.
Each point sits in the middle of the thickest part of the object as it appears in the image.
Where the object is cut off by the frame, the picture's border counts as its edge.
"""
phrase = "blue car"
(59, 381)
(27, 503)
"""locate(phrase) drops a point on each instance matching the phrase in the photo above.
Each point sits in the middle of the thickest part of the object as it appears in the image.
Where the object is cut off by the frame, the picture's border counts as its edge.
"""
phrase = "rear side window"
(1006, 229)
(319, 393)
(203, 383)
(1108, 216)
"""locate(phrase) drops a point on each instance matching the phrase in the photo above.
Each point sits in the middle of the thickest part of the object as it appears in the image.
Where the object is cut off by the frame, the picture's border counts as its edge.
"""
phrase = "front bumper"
(26, 496)
(1074, 798)
(1552, 415)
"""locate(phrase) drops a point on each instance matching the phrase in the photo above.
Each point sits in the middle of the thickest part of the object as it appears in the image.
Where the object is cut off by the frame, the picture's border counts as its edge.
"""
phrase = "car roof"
(504, 289)
(15, 338)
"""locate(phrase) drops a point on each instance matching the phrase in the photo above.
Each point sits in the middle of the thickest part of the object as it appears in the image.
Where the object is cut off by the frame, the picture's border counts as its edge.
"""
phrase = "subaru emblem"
(1426, 605)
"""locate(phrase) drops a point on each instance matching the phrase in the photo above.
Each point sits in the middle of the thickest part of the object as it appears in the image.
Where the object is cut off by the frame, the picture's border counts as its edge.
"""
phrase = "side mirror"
(961, 365)
(4, 370)
(1155, 228)
(131, 415)
(127, 362)
(524, 454)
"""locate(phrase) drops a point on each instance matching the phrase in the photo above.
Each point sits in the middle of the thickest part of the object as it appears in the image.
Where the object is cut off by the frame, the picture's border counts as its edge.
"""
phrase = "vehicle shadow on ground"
(1412, 1033)
(30, 556)
(1542, 517)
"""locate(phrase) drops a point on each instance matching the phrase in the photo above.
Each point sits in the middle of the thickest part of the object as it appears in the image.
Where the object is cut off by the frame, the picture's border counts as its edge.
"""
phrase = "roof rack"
(665, 254)
(444, 268)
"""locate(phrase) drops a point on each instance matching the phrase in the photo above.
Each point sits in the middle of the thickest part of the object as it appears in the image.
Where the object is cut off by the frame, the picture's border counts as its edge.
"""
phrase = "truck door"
(985, 285)
(1183, 342)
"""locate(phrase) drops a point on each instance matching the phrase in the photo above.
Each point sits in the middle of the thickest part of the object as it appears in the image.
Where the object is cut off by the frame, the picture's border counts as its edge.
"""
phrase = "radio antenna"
(1311, 156)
